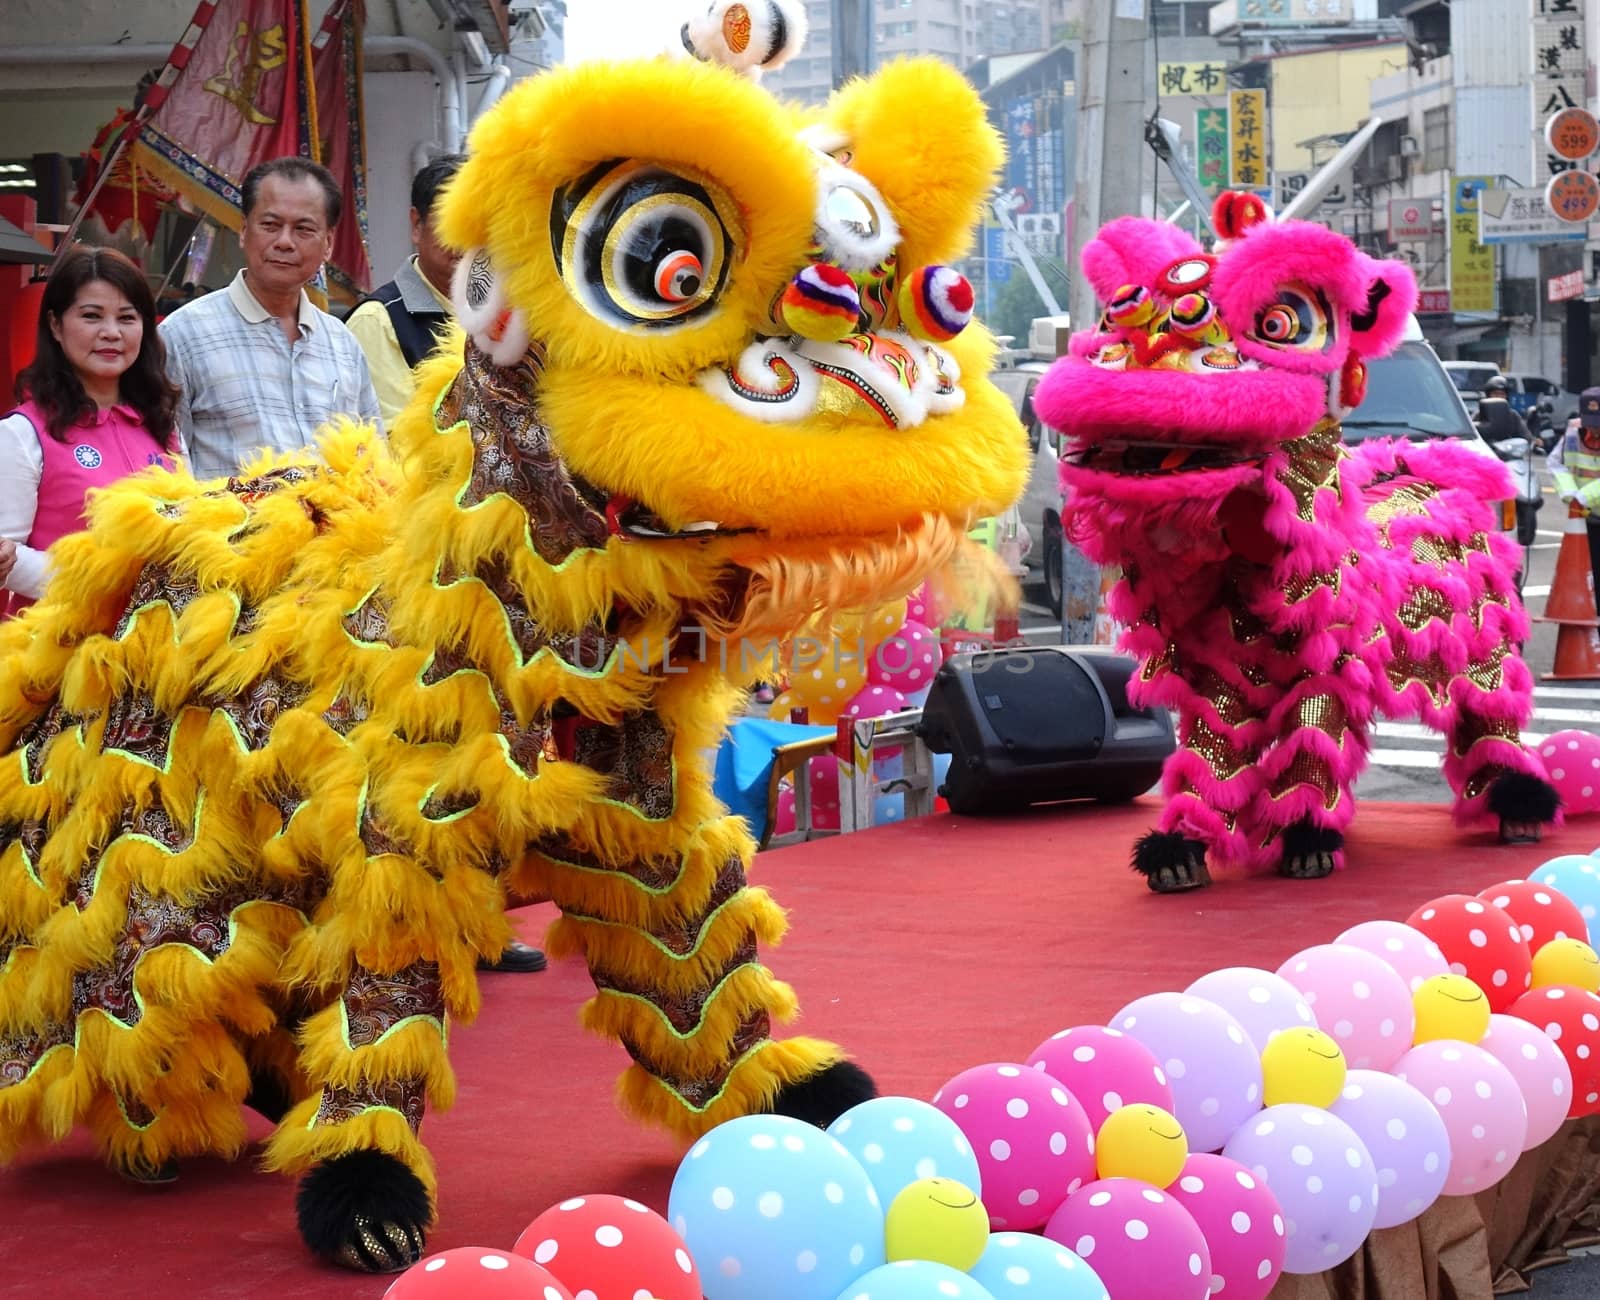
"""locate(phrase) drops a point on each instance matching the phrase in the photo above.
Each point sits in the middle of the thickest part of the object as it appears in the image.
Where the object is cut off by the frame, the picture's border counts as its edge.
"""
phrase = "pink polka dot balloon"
(824, 769)
(611, 1248)
(1241, 1221)
(1572, 762)
(1481, 942)
(1358, 999)
(920, 607)
(476, 1273)
(1414, 957)
(1031, 1137)
(877, 702)
(1139, 1240)
(1214, 1068)
(1322, 1175)
(1263, 1003)
(1104, 1069)
(1480, 1104)
(906, 661)
(1540, 912)
(1541, 1072)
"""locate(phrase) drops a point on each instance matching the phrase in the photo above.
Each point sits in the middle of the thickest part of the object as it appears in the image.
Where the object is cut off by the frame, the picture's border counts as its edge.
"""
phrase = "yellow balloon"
(885, 621)
(1303, 1065)
(1567, 961)
(1143, 1142)
(1450, 1006)
(937, 1219)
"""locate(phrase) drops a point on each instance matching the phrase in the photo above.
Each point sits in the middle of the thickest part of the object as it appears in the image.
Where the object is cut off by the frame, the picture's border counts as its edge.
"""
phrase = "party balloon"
(1480, 1104)
(1214, 1068)
(1303, 1065)
(824, 772)
(1104, 1069)
(1481, 942)
(1567, 961)
(920, 608)
(907, 660)
(914, 1279)
(1143, 1142)
(1541, 912)
(1413, 956)
(1242, 1223)
(877, 702)
(1542, 1074)
(771, 1206)
(1021, 1266)
(475, 1273)
(1262, 1003)
(1358, 999)
(1139, 1240)
(1322, 1175)
(611, 1248)
(1031, 1136)
(1570, 1018)
(937, 1219)
(878, 625)
(1450, 1006)
(1406, 1137)
(899, 1140)
(1576, 877)
(1572, 762)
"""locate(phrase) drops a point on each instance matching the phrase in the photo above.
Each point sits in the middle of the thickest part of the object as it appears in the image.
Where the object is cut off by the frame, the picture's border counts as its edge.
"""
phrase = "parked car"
(1530, 392)
(1040, 506)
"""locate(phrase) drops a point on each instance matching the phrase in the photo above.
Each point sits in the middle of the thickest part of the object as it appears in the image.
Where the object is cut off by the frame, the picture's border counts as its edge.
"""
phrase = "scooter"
(1517, 453)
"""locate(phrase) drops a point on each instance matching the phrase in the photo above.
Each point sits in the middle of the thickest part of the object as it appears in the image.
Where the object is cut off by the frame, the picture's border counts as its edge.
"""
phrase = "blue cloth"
(744, 765)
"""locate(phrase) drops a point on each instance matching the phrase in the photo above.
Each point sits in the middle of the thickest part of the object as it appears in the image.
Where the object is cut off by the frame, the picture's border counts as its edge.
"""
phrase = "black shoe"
(518, 958)
(150, 1175)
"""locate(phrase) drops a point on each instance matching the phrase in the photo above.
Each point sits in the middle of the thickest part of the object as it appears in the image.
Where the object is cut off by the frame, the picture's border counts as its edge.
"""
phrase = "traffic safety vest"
(1578, 472)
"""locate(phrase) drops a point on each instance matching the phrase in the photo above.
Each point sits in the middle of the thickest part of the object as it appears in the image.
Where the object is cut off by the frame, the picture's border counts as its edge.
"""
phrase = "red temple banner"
(336, 69)
(234, 93)
(131, 195)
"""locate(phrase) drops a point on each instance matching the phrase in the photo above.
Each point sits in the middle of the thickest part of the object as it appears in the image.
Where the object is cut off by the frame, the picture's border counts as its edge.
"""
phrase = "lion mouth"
(1145, 459)
(630, 518)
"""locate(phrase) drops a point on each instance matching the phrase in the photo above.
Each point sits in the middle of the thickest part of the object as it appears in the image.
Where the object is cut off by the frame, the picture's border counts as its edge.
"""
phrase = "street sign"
(1432, 300)
(1521, 216)
(1413, 219)
(1472, 286)
(1559, 46)
(1574, 197)
(1564, 287)
(1211, 148)
(1573, 133)
(1248, 114)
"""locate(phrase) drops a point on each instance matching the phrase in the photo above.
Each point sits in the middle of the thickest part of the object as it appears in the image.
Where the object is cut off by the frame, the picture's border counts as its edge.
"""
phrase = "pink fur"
(1270, 616)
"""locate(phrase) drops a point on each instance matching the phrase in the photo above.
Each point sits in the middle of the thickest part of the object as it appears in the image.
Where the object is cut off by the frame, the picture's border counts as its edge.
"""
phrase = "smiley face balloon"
(1143, 1142)
(1567, 961)
(937, 1219)
(1302, 1065)
(1450, 1006)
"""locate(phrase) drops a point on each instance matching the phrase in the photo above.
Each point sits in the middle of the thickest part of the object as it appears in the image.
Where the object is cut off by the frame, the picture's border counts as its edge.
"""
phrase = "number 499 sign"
(1573, 195)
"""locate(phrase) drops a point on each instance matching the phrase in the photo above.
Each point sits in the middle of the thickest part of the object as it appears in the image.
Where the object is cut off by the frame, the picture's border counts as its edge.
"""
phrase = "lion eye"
(1298, 319)
(1278, 324)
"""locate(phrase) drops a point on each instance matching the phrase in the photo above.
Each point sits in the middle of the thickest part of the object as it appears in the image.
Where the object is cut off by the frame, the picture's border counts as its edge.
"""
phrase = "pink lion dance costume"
(1278, 587)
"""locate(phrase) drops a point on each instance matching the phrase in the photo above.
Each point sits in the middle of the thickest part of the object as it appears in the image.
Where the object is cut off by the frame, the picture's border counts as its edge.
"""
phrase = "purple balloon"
(1322, 1175)
(1211, 1063)
(1263, 1003)
(1407, 1138)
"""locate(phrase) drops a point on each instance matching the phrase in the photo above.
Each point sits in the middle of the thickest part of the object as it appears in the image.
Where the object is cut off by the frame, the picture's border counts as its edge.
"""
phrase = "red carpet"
(926, 948)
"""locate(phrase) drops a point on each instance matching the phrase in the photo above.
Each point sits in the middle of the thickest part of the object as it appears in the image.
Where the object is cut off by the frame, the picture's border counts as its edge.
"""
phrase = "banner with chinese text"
(131, 196)
(336, 71)
(1211, 148)
(233, 94)
(1472, 286)
(1248, 127)
(1558, 58)
(1209, 78)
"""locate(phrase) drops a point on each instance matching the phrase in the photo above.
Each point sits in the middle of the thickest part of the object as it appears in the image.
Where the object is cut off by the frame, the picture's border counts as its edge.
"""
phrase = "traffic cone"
(1571, 606)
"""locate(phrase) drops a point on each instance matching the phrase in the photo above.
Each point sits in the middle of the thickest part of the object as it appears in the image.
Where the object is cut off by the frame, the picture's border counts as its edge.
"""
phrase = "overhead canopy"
(16, 245)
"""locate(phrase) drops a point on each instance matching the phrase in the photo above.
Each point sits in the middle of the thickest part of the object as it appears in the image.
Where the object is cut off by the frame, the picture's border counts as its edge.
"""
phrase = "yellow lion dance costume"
(276, 747)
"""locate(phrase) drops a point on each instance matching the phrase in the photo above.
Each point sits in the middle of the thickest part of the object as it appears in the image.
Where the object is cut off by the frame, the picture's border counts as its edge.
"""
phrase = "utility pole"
(852, 40)
(1111, 112)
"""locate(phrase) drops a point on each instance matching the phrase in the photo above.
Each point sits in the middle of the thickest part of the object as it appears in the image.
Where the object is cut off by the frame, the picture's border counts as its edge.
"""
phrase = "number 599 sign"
(1573, 134)
(1573, 195)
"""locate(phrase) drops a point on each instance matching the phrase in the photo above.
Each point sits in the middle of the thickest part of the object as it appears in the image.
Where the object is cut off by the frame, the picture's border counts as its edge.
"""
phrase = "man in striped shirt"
(259, 366)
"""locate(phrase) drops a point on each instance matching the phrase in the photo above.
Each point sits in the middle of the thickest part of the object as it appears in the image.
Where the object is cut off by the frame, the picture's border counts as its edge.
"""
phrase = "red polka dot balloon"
(476, 1273)
(1480, 941)
(1570, 1018)
(1540, 912)
(611, 1248)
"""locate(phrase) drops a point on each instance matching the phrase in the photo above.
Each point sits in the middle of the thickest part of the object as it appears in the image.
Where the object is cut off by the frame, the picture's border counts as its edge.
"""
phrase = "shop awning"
(16, 245)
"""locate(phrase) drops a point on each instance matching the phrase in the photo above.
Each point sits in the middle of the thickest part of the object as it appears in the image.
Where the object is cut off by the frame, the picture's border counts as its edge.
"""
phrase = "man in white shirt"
(259, 365)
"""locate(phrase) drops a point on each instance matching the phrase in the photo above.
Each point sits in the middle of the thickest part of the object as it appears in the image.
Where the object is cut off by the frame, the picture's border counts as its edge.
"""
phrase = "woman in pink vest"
(95, 405)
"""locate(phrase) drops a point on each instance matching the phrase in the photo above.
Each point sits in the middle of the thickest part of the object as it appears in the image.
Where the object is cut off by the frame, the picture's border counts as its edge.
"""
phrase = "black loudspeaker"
(1041, 724)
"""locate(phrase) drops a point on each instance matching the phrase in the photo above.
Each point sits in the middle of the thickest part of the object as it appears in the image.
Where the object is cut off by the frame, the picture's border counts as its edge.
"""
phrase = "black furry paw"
(1524, 804)
(365, 1211)
(826, 1095)
(1170, 863)
(1309, 851)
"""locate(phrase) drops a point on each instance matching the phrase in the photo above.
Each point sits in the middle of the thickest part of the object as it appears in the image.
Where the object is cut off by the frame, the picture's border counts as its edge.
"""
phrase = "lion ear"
(1391, 296)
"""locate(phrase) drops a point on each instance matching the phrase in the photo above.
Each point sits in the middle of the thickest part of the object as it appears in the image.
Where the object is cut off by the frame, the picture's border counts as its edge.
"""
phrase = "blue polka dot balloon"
(915, 1279)
(1577, 877)
(900, 1141)
(1021, 1266)
(770, 1206)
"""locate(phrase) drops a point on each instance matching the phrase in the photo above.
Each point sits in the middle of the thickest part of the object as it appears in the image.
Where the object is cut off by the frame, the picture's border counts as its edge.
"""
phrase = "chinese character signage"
(234, 93)
(1283, 13)
(1558, 58)
(1248, 109)
(336, 69)
(1520, 216)
(1211, 148)
(1472, 286)
(1563, 288)
(1193, 78)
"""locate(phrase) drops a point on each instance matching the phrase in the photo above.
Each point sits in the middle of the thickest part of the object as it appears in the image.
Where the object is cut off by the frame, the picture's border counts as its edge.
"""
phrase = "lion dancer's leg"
(653, 895)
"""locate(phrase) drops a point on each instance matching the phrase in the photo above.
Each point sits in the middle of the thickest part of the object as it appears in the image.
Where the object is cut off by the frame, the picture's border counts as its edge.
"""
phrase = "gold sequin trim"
(1423, 606)
(1299, 590)
(1408, 501)
(1313, 465)
(1224, 759)
(1308, 769)
(1325, 713)
(1472, 731)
